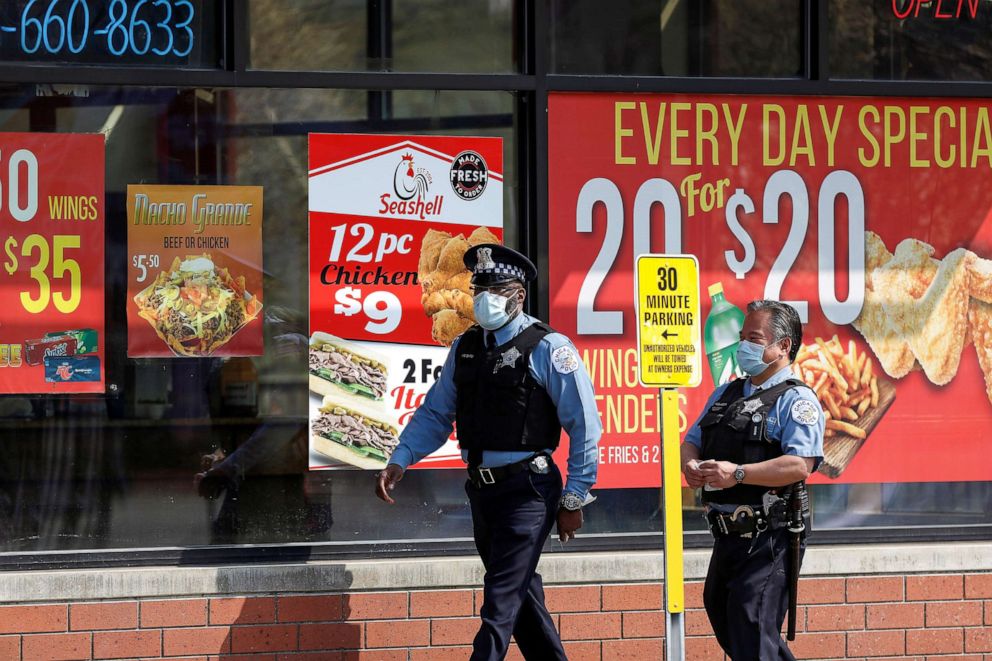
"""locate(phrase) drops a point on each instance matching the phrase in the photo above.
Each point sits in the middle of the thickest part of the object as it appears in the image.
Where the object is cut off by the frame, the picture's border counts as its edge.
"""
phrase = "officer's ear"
(788, 346)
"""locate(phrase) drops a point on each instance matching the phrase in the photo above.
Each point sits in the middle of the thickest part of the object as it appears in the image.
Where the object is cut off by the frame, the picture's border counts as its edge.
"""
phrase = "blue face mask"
(749, 355)
(492, 311)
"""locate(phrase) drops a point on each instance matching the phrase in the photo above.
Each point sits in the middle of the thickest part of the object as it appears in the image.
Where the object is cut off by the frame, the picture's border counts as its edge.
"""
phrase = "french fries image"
(843, 380)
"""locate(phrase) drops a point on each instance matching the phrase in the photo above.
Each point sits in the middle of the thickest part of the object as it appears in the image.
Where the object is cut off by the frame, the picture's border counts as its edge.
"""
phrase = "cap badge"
(485, 262)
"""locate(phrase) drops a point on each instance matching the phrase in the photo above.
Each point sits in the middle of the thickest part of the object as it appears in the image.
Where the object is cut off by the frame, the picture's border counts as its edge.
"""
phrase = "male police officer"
(755, 443)
(511, 384)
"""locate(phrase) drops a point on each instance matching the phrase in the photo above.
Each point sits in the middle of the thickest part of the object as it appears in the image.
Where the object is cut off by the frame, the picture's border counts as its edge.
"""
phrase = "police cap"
(493, 264)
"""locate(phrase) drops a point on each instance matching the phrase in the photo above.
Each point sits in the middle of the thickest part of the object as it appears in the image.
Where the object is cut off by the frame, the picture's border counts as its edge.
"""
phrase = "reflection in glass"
(676, 37)
(868, 41)
(384, 35)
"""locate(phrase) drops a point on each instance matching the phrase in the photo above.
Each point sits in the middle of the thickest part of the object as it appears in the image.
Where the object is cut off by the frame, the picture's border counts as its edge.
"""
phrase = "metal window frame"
(533, 85)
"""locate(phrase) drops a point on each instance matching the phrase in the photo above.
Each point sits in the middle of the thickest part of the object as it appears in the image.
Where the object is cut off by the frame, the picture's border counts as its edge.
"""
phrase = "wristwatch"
(571, 501)
(739, 474)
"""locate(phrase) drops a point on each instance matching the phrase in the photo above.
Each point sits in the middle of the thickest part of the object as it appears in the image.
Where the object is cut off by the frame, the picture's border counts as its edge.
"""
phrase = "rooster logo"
(408, 183)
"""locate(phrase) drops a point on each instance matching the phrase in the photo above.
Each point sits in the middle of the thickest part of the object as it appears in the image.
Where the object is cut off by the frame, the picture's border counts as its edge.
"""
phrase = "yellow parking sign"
(669, 343)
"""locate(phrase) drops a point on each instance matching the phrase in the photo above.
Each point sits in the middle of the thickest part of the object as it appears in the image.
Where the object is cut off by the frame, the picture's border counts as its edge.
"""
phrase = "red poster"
(390, 219)
(52, 219)
(871, 216)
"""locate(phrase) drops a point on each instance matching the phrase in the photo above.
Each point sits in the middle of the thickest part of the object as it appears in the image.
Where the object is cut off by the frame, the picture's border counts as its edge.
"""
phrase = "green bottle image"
(721, 335)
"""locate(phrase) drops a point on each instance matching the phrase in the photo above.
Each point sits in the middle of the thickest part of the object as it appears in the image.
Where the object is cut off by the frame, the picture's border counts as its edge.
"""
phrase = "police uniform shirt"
(566, 382)
(798, 437)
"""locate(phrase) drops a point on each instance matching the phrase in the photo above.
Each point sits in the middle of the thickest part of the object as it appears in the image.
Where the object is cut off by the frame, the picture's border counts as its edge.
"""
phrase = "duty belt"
(481, 477)
(742, 522)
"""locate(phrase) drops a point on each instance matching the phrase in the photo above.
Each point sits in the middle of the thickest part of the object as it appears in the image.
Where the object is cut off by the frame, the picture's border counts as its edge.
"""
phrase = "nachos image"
(196, 308)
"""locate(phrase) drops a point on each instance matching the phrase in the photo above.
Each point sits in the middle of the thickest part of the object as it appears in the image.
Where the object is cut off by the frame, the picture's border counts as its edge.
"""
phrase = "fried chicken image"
(446, 283)
(918, 308)
(980, 326)
(893, 352)
(932, 317)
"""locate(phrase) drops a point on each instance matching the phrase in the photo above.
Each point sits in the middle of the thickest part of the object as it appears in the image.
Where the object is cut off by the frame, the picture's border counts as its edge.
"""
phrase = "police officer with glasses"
(510, 383)
(751, 450)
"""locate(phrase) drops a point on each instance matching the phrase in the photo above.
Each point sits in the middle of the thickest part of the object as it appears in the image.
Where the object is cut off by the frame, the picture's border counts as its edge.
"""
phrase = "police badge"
(507, 359)
(750, 406)
(485, 262)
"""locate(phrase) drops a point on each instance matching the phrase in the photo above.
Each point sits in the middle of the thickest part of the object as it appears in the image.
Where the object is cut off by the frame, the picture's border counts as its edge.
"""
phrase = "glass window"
(117, 471)
(676, 37)
(384, 35)
(910, 40)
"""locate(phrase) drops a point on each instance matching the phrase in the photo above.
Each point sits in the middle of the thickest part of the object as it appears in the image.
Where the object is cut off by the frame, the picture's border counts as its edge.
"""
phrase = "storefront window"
(117, 471)
(676, 38)
(384, 35)
(910, 40)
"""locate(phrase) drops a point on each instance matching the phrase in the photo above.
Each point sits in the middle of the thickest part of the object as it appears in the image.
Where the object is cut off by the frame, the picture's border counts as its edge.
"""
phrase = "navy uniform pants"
(511, 521)
(747, 595)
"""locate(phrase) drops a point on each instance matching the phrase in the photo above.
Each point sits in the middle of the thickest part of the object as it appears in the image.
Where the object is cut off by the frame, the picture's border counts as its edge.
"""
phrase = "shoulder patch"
(805, 412)
(565, 360)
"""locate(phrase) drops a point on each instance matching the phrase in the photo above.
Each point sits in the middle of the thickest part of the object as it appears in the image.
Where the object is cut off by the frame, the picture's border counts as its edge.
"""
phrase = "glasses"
(499, 290)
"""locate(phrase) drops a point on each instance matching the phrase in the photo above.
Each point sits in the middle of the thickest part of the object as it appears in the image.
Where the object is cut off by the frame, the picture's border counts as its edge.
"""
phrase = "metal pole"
(671, 485)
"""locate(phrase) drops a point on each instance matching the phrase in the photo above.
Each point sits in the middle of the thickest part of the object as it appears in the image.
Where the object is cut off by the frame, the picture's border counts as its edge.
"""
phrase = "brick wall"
(944, 616)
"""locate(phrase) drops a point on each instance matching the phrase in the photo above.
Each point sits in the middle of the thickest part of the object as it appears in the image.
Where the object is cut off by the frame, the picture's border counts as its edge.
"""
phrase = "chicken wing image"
(893, 351)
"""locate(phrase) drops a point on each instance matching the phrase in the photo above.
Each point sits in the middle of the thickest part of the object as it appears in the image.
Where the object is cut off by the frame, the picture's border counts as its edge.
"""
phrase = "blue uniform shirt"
(572, 394)
(797, 438)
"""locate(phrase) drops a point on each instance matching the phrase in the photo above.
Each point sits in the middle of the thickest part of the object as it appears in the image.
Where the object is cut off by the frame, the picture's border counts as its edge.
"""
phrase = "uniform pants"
(747, 595)
(511, 521)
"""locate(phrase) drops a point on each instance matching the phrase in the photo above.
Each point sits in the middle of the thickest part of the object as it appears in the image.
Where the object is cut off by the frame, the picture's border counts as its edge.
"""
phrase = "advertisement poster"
(873, 217)
(194, 274)
(391, 218)
(52, 253)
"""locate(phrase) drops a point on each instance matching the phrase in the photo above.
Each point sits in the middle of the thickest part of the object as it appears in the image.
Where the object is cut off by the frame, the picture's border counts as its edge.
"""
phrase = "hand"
(568, 522)
(210, 484)
(719, 474)
(693, 476)
(386, 482)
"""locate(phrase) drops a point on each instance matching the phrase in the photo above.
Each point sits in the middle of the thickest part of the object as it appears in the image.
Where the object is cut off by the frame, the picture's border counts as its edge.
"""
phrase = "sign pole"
(671, 485)
(669, 349)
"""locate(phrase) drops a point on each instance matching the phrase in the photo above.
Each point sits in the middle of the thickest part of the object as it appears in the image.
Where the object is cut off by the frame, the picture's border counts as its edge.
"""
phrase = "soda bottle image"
(721, 335)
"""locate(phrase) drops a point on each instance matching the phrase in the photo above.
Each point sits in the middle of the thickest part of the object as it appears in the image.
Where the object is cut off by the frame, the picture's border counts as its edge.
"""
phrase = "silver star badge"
(750, 406)
(507, 359)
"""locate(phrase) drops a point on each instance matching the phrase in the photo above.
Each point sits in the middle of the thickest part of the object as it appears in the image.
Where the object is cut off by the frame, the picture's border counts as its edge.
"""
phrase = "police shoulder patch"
(565, 360)
(805, 412)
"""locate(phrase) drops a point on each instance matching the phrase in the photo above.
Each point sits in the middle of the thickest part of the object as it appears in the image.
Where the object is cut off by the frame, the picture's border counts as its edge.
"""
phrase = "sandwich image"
(348, 432)
(338, 367)
(196, 308)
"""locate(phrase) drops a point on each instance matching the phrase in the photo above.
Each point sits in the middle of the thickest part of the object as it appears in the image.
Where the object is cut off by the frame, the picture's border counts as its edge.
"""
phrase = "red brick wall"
(931, 616)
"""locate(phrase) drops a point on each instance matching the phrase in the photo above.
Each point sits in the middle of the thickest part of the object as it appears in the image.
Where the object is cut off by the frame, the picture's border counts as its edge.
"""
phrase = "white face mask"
(492, 311)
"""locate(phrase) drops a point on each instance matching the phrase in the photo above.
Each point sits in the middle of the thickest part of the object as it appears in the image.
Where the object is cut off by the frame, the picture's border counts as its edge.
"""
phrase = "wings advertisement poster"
(872, 216)
(390, 219)
(52, 221)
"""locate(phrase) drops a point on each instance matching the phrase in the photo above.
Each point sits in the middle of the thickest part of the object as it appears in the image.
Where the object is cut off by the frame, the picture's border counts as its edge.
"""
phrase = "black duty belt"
(481, 477)
(743, 521)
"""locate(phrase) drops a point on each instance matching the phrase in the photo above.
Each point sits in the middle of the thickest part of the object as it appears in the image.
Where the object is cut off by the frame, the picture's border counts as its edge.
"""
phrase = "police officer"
(755, 443)
(510, 383)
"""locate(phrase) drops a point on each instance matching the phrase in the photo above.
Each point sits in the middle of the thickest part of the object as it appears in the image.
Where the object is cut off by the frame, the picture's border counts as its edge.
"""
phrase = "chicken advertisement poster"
(872, 217)
(52, 222)
(391, 218)
(194, 272)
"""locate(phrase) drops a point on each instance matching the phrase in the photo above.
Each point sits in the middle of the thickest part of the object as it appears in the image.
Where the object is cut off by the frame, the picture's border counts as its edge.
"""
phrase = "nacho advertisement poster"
(391, 218)
(52, 256)
(194, 272)
(871, 216)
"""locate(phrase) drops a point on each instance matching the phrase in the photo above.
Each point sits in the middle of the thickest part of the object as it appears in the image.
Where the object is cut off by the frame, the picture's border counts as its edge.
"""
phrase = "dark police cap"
(491, 263)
